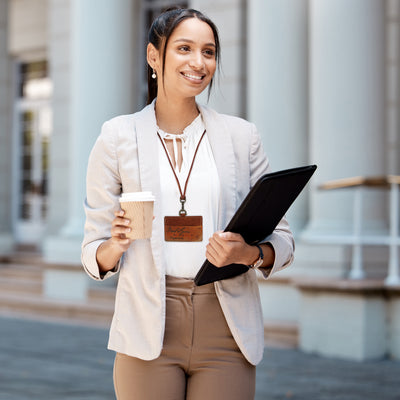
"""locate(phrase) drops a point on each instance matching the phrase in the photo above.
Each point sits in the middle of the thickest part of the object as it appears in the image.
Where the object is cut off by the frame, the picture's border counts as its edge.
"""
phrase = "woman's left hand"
(226, 248)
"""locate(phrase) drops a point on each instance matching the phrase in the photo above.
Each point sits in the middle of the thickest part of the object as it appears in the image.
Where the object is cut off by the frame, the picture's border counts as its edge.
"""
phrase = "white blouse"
(184, 259)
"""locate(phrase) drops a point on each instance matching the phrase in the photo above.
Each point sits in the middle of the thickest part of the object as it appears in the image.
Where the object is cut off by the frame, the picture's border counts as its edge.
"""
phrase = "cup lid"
(136, 196)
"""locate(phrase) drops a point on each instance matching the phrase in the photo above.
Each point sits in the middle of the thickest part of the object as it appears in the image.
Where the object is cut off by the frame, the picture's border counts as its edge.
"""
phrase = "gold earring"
(154, 76)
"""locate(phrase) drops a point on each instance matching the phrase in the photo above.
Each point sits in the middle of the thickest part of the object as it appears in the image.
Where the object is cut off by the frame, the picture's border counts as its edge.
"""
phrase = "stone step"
(281, 334)
(93, 313)
(21, 293)
(20, 285)
(23, 256)
(33, 273)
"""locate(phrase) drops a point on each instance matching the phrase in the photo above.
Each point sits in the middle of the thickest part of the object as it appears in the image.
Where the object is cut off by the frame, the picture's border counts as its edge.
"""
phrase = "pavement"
(54, 361)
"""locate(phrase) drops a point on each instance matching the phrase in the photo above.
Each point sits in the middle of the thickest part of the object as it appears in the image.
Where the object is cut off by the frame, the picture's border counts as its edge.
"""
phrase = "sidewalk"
(48, 361)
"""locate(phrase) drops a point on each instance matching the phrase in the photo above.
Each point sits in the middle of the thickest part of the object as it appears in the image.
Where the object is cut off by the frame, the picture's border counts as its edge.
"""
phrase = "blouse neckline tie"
(183, 137)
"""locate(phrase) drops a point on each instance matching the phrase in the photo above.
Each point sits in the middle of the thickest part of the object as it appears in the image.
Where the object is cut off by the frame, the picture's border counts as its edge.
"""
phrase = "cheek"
(212, 67)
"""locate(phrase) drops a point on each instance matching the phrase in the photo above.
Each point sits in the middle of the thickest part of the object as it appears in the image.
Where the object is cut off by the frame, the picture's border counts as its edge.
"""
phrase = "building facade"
(320, 78)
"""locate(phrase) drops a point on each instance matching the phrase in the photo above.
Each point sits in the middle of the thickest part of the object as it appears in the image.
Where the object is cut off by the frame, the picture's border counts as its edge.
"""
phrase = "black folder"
(259, 214)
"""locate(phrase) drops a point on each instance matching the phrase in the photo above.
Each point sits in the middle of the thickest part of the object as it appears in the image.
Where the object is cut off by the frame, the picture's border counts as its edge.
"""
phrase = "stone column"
(229, 91)
(6, 237)
(347, 129)
(277, 84)
(99, 75)
(393, 86)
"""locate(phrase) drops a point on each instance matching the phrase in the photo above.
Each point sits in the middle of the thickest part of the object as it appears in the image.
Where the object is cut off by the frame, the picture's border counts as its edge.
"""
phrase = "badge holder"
(183, 228)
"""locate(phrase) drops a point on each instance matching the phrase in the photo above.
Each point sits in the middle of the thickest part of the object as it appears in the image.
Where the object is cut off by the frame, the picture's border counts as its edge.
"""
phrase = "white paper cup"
(138, 207)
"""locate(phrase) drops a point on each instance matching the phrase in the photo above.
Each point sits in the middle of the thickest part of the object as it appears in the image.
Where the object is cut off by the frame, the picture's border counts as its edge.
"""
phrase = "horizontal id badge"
(183, 229)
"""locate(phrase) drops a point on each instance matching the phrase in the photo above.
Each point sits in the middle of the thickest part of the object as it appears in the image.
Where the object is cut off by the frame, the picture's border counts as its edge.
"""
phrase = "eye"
(183, 48)
(209, 52)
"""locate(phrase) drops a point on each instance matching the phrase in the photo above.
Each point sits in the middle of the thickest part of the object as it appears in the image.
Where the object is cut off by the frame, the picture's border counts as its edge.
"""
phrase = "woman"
(175, 340)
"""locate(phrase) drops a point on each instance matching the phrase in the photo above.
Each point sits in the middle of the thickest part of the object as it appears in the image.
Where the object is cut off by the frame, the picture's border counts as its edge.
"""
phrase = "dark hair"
(159, 34)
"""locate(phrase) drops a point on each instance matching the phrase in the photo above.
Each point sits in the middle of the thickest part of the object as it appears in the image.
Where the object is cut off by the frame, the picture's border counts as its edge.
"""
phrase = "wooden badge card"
(183, 228)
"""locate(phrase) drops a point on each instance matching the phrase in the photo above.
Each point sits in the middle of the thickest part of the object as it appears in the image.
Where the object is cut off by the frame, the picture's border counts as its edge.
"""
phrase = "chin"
(192, 93)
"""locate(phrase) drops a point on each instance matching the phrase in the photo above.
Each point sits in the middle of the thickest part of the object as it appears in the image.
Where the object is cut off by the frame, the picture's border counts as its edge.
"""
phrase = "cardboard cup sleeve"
(141, 215)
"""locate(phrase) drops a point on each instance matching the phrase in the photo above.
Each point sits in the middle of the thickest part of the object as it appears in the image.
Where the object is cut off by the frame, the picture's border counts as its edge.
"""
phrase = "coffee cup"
(138, 208)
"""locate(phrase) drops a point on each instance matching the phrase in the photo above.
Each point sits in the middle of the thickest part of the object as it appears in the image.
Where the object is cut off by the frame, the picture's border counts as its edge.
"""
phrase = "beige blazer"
(124, 158)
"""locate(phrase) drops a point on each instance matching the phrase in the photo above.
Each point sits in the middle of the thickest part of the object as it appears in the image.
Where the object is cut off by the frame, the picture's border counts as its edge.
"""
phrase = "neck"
(173, 115)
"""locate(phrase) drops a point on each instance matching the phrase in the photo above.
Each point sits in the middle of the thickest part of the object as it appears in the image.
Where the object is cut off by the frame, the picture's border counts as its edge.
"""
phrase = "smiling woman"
(175, 340)
(159, 37)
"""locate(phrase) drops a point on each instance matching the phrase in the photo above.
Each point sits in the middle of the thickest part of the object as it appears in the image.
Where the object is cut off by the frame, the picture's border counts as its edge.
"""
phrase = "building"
(320, 78)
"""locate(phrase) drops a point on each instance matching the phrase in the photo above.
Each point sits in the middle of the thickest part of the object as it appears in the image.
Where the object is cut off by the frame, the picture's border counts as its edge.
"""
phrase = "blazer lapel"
(146, 133)
(222, 148)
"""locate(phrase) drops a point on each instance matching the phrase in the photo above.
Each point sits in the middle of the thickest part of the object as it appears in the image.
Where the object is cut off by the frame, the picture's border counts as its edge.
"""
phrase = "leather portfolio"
(259, 214)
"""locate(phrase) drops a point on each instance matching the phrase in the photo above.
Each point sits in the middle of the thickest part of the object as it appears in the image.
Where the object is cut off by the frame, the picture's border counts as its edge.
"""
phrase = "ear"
(153, 57)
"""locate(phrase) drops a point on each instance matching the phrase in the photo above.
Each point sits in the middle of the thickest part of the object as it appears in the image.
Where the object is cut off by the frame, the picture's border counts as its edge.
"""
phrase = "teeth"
(193, 76)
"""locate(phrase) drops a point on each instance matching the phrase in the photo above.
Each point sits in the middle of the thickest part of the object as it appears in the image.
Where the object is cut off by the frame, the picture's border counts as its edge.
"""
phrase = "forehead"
(193, 29)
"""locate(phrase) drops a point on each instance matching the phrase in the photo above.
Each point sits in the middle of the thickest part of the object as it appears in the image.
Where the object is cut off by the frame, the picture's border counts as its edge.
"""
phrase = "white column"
(392, 85)
(101, 71)
(277, 79)
(228, 94)
(346, 109)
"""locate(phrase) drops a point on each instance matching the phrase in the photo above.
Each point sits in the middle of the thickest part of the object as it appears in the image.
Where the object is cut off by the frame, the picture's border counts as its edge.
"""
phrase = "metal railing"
(358, 239)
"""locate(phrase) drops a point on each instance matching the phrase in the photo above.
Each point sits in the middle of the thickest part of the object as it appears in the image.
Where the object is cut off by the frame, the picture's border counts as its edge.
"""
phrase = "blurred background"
(319, 78)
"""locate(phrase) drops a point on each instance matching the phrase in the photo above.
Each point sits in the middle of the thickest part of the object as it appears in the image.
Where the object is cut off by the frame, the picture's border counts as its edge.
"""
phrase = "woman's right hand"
(110, 251)
(120, 226)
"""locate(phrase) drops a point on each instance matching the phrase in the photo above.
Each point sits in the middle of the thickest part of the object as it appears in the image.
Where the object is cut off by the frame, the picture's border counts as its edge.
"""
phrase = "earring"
(154, 76)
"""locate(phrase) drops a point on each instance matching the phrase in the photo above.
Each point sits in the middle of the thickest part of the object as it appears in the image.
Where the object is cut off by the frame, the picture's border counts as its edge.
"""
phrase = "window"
(34, 127)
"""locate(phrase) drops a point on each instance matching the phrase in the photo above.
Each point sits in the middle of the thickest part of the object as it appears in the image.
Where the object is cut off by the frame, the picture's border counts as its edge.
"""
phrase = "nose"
(196, 60)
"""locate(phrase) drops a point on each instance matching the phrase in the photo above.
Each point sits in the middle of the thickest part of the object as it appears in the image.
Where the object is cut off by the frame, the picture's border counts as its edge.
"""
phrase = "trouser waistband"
(186, 287)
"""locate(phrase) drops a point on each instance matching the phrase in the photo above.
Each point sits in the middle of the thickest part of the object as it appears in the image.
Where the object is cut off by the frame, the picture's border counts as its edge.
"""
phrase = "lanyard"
(182, 211)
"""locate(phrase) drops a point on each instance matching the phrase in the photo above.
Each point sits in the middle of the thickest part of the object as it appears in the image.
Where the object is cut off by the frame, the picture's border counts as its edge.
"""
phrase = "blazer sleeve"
(103, 188)
(282, 238)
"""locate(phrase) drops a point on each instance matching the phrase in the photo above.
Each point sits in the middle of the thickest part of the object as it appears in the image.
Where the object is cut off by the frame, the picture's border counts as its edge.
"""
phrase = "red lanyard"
(182, 211)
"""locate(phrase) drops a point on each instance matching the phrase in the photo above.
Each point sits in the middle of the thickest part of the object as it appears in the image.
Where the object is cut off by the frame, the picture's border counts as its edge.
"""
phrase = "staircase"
(21, 295)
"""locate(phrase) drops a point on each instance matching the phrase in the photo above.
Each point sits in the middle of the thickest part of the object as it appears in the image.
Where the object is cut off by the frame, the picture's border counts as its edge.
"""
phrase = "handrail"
(374, 181)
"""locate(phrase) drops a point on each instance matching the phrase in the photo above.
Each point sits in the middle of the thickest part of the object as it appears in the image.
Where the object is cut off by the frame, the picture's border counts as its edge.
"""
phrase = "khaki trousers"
(200, 359)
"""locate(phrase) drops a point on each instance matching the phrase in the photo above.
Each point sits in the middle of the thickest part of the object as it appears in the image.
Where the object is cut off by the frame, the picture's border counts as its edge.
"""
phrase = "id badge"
(183, 229)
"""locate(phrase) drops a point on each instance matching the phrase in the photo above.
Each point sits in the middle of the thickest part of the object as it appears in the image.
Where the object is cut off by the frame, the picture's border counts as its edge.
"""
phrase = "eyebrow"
(192, 41)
